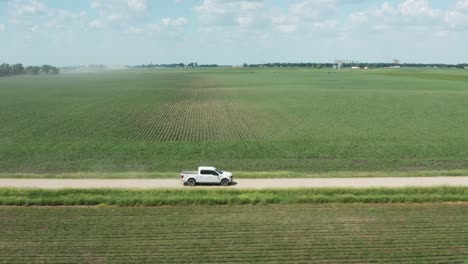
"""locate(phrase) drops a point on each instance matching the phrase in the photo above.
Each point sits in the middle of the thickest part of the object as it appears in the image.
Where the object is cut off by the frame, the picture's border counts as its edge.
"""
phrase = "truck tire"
(191, 182)
(224, 182)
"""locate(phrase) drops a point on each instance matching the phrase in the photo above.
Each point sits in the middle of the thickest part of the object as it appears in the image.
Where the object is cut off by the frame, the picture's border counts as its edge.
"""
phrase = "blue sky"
(128, 32)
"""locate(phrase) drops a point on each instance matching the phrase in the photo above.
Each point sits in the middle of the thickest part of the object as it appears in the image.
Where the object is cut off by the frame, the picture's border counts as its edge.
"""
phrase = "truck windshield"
(219, 171)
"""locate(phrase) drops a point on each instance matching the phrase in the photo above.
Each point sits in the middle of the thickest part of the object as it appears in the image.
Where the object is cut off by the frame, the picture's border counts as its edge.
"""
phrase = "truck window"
(209, 172)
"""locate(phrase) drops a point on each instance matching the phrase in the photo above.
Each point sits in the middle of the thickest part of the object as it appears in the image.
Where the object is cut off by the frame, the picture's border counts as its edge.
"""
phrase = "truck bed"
(190, 172)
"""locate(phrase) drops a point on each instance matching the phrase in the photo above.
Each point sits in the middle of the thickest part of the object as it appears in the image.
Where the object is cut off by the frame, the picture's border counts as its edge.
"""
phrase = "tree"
(5, 69)
(17, 69)
(46, 69)
(33, 70)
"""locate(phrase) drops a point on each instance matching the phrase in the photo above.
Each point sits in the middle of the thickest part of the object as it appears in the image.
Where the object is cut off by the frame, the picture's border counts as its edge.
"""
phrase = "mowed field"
(310, 233)
(251, 120)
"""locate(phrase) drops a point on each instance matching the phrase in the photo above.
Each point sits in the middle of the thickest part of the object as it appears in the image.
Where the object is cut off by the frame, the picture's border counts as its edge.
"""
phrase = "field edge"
(239, 174)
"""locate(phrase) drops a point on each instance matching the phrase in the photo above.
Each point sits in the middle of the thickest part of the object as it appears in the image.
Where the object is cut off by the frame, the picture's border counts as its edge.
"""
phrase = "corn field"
(238, 119)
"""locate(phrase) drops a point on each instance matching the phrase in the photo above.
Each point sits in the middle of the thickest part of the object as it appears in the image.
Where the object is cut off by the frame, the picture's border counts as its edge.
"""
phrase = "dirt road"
(240, 183)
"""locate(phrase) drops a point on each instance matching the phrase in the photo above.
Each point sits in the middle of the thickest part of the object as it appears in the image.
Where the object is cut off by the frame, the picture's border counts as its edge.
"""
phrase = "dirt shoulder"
(390, 182)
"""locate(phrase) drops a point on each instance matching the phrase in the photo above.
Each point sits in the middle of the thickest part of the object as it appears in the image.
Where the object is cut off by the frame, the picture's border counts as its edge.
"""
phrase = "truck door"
(209, 176)
(205, 176)
(214, 177)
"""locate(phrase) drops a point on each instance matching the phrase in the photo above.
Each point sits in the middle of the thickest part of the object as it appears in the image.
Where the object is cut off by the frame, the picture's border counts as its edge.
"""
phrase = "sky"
(231, 32)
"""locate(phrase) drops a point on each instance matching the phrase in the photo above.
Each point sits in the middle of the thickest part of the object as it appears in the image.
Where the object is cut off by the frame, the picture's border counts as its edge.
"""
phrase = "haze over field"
(340, 127)
(127, 32)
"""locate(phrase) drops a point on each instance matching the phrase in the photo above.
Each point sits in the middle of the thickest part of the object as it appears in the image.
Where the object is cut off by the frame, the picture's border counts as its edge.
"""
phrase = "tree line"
(361, 65)
(176, 65)
(18, 69)
(308, 65)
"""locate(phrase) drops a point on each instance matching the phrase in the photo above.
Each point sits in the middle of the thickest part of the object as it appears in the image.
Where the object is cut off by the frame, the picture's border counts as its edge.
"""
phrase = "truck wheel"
(191, 182)
(224, 182)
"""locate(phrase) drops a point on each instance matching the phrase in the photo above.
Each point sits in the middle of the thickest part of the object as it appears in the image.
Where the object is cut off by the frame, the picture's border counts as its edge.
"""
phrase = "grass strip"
(127, 197)
(239, 174)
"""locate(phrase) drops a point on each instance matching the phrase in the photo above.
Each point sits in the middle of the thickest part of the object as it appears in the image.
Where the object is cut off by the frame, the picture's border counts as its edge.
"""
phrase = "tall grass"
(119, 197)
(238, 174)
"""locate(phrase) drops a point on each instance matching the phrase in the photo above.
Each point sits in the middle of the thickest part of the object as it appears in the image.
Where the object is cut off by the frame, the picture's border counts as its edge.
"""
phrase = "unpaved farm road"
(240, 183)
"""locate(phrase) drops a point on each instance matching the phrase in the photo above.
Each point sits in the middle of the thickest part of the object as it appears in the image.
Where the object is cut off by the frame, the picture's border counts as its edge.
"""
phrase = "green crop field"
(331, 233)
(251, 120)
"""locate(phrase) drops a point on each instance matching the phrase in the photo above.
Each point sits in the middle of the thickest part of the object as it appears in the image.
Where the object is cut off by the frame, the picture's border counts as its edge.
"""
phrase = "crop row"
(345, 233)
(208, 115)
(286, 120)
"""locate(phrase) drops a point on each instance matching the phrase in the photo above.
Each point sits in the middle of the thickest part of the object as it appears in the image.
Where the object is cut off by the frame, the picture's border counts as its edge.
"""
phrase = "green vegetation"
(249, 119)
(238, 174)
(120, 197)
(327, 233)
(19, 69)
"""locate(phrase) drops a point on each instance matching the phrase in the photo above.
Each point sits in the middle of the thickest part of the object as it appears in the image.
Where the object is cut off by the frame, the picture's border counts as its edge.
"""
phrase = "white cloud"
(420, 15)
(166, 26)
(152, 28)
(32, 7)
(95, 24)
(217, 14)
(21, 12)
(313, 9)
(418, 8)
(239, 30)
(324, 24)
(458, 18)
(134, 30)
(380, 27)
(423, 23)
(410, 9)
(442, 33)
(244, 21)
(358, 18)
(120, 11)
(385, 10)
(463, 4)
(138, 6)
(62, 19)
(285, 24)
(406, 18)
(307, 16)
(286, 28)
(32, 14)
(175, 22)
(455, 19)
(34, 28)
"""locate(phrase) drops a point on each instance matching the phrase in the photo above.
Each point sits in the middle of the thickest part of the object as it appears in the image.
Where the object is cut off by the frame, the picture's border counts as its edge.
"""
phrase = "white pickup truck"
(206, 175)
